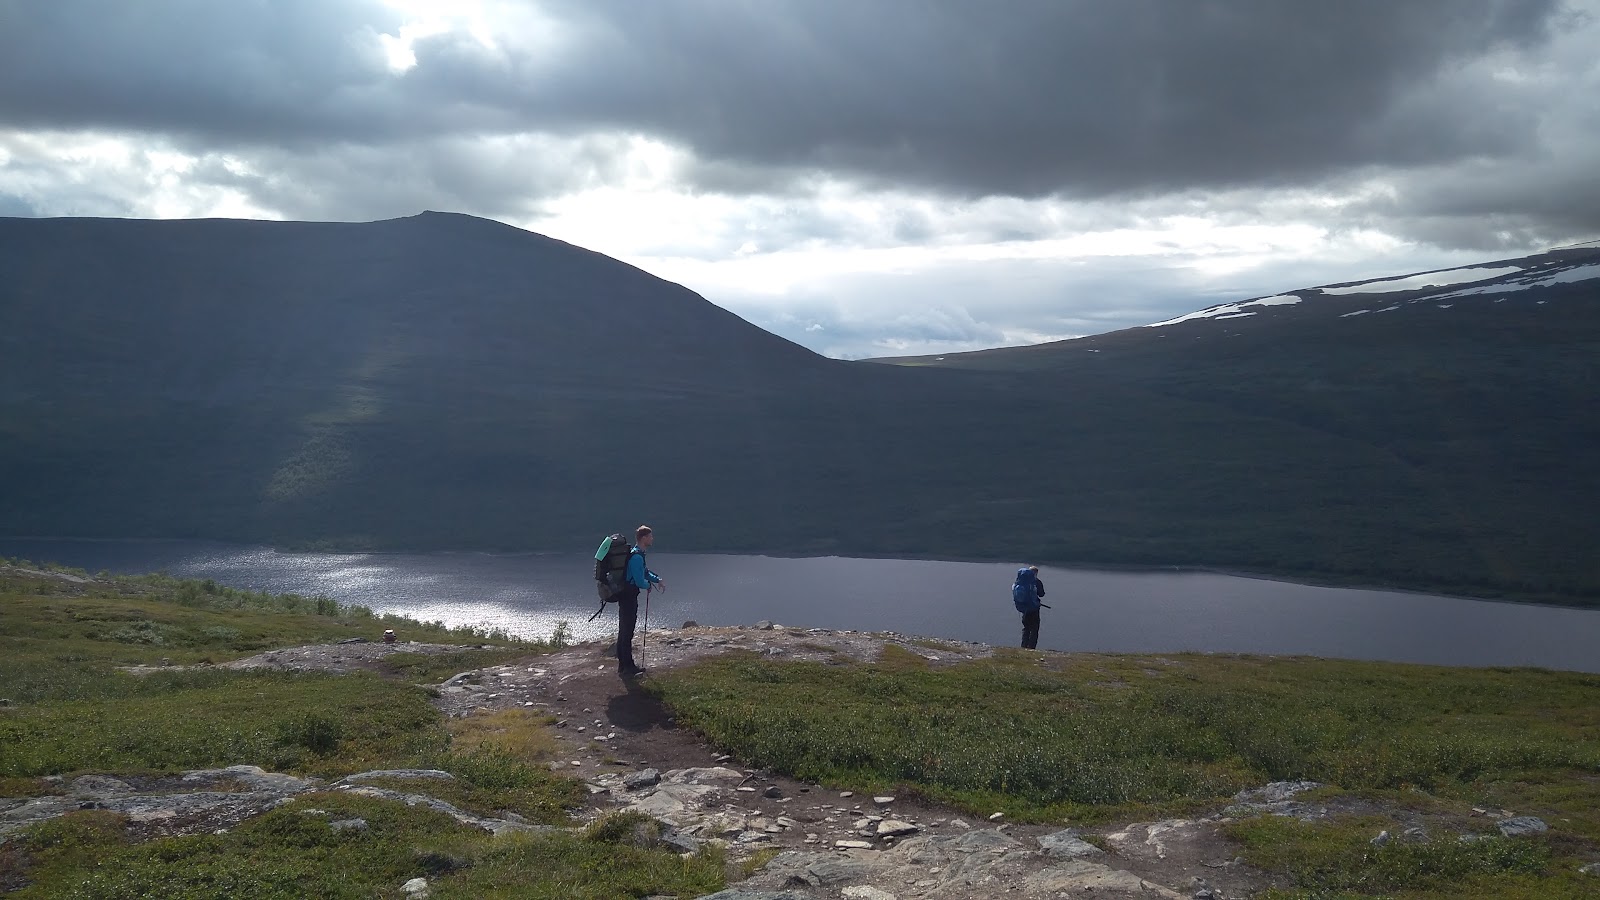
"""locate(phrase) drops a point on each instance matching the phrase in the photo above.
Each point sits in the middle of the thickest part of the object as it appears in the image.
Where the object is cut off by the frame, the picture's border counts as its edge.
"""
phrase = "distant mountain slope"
(446, 382)
(1481, 383)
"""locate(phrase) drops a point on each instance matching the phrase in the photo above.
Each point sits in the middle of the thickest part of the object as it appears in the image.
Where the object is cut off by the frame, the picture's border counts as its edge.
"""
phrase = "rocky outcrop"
(203, 801)
(982, 863)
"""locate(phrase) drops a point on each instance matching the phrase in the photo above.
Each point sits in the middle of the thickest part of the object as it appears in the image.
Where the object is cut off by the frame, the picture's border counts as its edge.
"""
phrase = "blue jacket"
(639, 575)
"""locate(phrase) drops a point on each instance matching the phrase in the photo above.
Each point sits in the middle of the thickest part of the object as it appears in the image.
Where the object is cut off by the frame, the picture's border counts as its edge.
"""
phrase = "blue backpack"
(1024, 595)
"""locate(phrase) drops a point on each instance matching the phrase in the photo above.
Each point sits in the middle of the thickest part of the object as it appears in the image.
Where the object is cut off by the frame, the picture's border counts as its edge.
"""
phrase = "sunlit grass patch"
(516, 732)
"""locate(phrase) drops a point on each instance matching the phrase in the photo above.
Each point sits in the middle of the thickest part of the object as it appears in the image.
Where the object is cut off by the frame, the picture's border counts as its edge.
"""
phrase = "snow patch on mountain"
(1427, 279)
(1539, 279)
(1231, 310)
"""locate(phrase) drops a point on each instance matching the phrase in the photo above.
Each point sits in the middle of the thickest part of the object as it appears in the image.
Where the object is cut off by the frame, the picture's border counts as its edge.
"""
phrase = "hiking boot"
(630, 671)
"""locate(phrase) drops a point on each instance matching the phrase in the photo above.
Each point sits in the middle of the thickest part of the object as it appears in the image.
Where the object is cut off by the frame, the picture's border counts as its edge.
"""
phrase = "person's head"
(643, 536)
(1033, 569)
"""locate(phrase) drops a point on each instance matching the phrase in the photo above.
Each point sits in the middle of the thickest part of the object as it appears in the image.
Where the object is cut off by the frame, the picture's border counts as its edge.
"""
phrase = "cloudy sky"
(866, 177)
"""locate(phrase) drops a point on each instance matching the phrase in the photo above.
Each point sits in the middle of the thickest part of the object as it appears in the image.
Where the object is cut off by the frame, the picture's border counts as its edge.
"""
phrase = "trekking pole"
(644, 640)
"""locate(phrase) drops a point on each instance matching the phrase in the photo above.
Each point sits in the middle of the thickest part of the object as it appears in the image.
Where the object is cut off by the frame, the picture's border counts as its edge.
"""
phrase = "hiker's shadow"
(637, 709)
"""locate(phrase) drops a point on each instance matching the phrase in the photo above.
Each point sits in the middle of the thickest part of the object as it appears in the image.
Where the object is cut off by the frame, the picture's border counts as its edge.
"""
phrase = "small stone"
(866, 892)
(1479, 811)
(772, 792)
(765, 625)
(959, 823)
(853, 845)
(635, 781)
(997, 817)
(895, 828)
(1381, 839)
(847, 794)
(1067, 845)
(745, 789)
(883, 801)
(416, 888)
(356, 825)
(691, 624)
(1523, 825)
(1590, 869)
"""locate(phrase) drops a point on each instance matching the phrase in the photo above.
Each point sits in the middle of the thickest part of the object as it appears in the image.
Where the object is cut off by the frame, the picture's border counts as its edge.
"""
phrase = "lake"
(1114, 612)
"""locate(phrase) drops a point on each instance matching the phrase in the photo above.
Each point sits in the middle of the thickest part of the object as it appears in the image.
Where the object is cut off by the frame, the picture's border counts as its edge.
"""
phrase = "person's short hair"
(641, 531)
(1033, 569)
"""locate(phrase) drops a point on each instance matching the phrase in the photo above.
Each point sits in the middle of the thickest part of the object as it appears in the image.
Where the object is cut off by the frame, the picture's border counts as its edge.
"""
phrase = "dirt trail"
(626, 748)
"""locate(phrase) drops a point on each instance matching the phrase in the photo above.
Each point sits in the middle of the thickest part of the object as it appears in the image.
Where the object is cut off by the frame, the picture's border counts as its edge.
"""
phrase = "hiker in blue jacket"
(1025, 595)
(638, 578)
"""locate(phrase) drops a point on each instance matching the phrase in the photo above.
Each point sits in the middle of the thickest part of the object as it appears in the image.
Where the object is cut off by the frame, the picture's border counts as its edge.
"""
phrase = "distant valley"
(444, 382)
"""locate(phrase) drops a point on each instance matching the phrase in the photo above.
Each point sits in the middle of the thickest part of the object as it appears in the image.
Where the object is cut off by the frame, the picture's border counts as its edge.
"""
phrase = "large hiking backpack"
(1025, 593)
(611, 566)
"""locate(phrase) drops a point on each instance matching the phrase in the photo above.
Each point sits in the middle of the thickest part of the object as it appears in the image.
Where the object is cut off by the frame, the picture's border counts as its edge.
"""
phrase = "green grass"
(1091, 737)
(492, 783)
(73, 711)
(432, 668)
(1338, 858)
(1094, 739)
(292, 853)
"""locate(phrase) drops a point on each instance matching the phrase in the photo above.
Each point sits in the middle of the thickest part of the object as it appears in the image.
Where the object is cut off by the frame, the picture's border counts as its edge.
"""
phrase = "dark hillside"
(446, 382)
(1484, 393)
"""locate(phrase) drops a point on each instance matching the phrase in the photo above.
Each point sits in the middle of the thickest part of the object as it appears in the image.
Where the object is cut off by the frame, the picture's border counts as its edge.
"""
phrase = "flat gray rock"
(1521, 825)
(494, 826)
(896, 828)
(1276, 792)
(983, 840)
(1067, 845)
(635, 781)
(253, 778)
(403, 774)
(99, 786)
(833, 870)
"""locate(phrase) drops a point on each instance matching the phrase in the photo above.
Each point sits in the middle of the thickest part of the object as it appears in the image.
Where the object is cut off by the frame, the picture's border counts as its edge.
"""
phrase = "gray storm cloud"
(1025, 98)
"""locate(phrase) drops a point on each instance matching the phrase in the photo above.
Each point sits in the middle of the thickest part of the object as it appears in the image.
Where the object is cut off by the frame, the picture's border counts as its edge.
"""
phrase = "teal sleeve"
(638, 575)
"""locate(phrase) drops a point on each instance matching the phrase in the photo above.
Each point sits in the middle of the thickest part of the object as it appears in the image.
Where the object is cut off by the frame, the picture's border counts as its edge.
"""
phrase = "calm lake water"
(1093, 610)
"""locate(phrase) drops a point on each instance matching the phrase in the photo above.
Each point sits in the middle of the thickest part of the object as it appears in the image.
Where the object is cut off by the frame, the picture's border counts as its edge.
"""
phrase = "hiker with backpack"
(1026, 594)
(621, 573)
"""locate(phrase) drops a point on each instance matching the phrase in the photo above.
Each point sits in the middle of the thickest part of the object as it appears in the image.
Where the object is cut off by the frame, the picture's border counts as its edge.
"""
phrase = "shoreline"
(1579, 602)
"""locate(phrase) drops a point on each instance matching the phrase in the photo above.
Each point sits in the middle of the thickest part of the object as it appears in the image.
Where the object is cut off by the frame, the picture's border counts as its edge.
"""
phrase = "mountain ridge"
(439, 382)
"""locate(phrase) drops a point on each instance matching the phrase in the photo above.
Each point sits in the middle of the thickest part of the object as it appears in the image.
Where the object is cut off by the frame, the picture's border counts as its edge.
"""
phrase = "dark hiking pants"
(627, 619)
(1030, 630)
